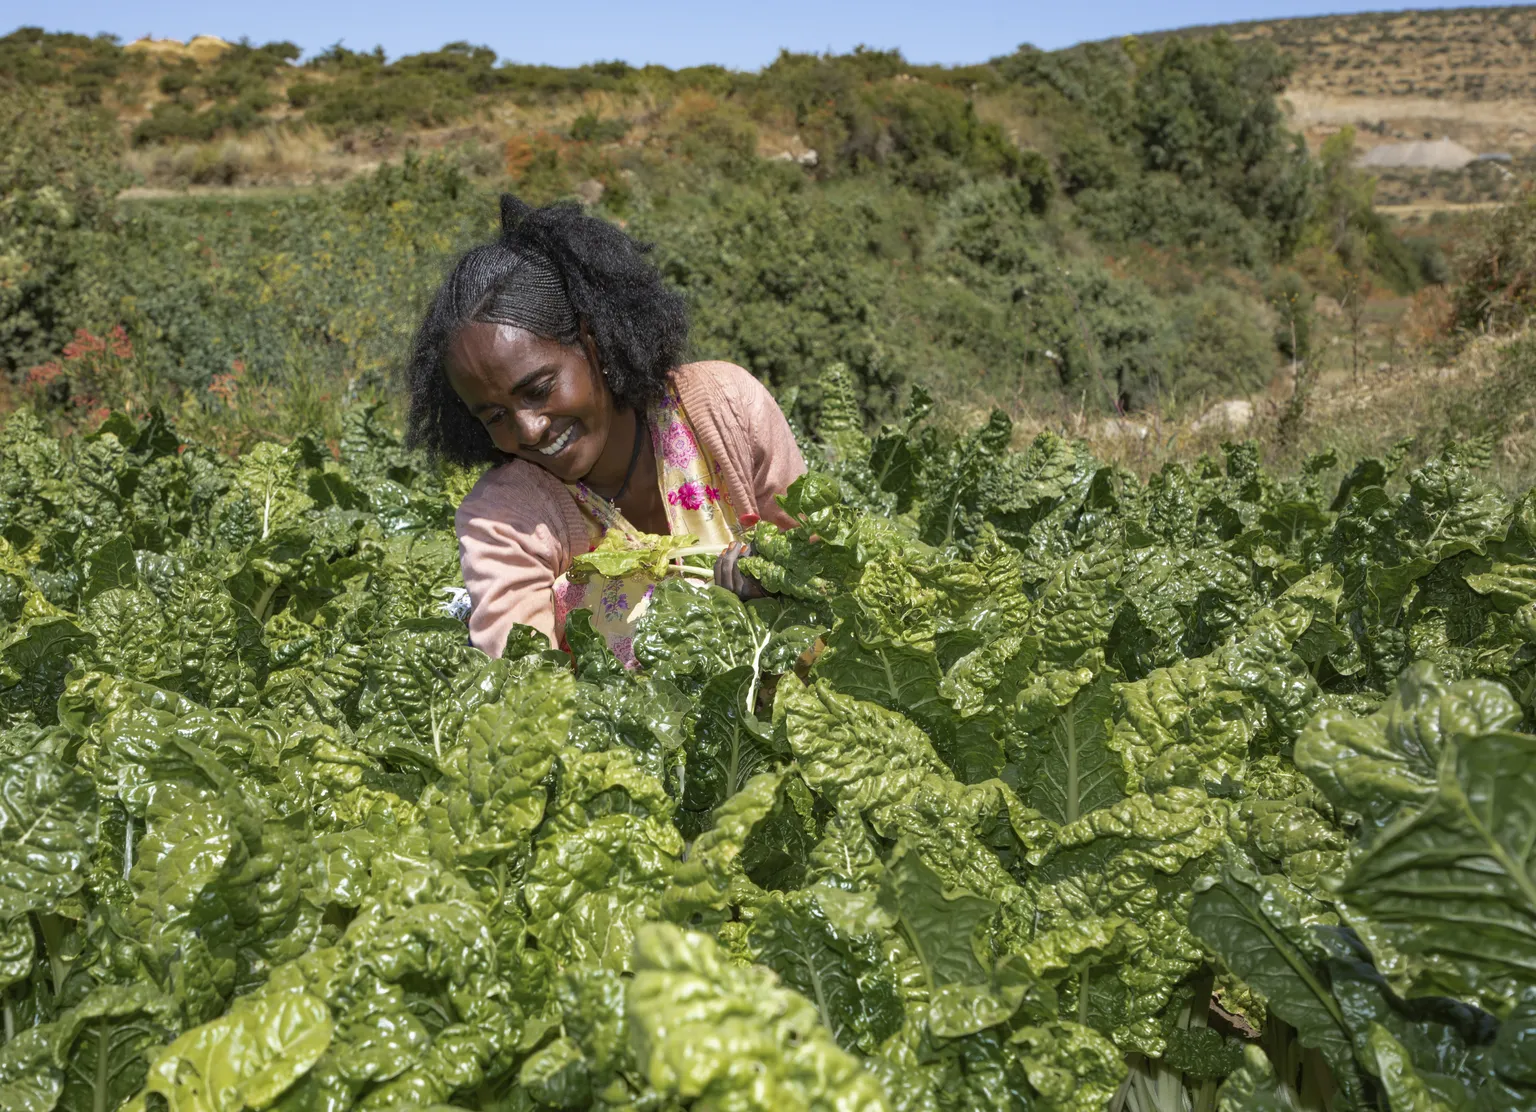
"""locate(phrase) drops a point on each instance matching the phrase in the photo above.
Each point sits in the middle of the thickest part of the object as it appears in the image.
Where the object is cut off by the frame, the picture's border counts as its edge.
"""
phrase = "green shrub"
(1496, 270)
(178, 79)
(710, 133)
(1086, 158)
(1291, 299)
(1163, 210)
(991, 223)
(1429, 257)
(59, 174)
(1225, 345)
(589, 128)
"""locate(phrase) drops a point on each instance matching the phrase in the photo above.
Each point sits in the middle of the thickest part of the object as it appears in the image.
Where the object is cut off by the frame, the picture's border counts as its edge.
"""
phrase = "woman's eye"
(540, 390)
(496, 418)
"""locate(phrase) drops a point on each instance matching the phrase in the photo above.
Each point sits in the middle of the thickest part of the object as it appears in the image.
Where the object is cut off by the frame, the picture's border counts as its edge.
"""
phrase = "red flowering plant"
(93, 376)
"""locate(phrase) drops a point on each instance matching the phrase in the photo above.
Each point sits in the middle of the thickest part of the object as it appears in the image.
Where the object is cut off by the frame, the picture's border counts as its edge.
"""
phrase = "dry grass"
(1487, 389)
(274, 156)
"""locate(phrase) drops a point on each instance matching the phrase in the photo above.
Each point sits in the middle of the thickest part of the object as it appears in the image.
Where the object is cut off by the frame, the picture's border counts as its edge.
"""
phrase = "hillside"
(1118, 232)
(1469, 73)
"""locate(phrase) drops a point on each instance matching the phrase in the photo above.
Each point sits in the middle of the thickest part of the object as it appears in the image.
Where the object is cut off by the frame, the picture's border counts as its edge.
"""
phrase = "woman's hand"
(732, 578)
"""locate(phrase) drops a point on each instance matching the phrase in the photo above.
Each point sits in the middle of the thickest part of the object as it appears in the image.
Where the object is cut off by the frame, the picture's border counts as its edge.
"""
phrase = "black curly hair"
(612, 294)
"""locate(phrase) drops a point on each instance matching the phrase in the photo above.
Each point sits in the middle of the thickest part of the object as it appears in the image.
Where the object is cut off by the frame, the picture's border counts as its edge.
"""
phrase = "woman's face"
(541, 400)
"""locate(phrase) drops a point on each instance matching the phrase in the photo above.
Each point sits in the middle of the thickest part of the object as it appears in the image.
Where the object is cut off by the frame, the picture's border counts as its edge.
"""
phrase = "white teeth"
(559, 445)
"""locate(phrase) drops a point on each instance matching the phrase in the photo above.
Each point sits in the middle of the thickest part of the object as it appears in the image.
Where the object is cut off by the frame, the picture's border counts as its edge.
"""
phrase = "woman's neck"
(613, 463)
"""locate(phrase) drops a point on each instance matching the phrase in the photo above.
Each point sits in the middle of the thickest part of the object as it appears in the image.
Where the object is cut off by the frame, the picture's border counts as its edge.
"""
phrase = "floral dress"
(696, 502)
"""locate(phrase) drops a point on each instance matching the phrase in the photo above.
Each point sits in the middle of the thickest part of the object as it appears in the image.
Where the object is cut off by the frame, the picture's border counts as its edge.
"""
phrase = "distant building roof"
(1496, 156)
(1431, 154)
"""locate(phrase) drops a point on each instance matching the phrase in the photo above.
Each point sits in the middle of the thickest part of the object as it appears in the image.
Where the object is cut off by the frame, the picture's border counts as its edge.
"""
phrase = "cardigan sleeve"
(776, 458)
(512, 547)
(738, 419)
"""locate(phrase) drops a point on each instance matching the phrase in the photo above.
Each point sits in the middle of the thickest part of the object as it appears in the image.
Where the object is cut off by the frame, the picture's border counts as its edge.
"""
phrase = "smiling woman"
(555, 354)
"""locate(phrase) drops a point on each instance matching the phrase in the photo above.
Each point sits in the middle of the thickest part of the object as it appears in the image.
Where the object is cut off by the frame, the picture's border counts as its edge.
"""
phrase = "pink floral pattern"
(568, 596)
(697, 502)
(678, 446)
(624, 649)
(693, 495)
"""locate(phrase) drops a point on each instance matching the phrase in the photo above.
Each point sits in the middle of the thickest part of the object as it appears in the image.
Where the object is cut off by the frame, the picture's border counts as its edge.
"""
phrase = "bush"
(1291, 299)
(589, 128)
(1496, 270)
(1161, 209)
(991, 223)
(1086, 158)
(1225, 346)
(709, 132)
(1430, 259)
(59, 174)
(1207, 110)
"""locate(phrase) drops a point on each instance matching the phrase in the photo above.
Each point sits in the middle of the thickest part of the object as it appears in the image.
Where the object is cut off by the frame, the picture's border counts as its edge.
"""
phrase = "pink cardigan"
(519, 528)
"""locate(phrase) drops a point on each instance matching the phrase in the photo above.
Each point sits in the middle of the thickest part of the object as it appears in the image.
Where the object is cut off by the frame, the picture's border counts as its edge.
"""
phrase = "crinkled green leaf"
(843, 973)
(1256, 928)
(853, 752)
(1374, 765)
(1454, 883)
(719, 1035)
(245, 1059)
(617, 556)
(46, 830)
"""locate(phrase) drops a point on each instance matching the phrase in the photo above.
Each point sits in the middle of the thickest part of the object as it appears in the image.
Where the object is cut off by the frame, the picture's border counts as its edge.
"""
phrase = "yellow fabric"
(696, 502)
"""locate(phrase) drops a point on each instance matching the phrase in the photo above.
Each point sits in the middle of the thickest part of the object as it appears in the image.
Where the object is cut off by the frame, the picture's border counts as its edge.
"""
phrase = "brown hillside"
(1467, 73)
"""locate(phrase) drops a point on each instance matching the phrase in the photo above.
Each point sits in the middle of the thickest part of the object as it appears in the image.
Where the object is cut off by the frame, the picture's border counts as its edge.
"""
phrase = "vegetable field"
(1036, 787)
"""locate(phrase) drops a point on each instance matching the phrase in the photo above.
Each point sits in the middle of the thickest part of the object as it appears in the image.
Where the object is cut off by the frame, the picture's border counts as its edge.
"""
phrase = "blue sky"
(670, 32)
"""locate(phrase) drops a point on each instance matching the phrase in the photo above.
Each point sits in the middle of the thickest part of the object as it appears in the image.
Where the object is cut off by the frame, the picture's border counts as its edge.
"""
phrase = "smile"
(559, 445)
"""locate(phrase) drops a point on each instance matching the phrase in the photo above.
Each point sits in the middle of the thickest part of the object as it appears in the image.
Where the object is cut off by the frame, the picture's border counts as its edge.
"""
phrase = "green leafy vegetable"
(1034, 786)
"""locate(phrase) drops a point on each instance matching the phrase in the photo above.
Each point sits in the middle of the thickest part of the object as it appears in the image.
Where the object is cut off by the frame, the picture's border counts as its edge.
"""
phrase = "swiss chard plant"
(1031, 786)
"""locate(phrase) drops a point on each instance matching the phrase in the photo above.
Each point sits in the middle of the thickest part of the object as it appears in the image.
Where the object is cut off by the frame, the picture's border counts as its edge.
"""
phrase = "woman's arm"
(512, 546)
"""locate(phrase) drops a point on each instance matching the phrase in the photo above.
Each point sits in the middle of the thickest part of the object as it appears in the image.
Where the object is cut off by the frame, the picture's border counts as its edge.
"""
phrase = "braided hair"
(562, 275)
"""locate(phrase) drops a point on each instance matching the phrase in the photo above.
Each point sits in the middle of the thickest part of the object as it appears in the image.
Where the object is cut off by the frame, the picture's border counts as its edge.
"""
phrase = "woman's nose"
(531, 428)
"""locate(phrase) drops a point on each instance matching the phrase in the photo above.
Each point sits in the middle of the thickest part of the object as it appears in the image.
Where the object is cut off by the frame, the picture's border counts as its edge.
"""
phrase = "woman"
(555, 354)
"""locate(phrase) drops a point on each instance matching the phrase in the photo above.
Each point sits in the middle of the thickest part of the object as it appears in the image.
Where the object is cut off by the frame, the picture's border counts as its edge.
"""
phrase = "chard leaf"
(940, 923)
(727, 745)
(713, 872)
(495, 796)
(245, 1059)
(715, 1034)
(1254, 1087)
(845, 975)
(1255, 926)
(556, 1076)
(16, 950)
(1070, 770)
(1403, 1086)
(689, 635)
(853, 752)
(411, 681)
(618, 556)
(106, 1041)
(1072, 1068)
(29, 1079)
(1375, 765)
(46, 830)
(1454, 883)
(35, 658)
